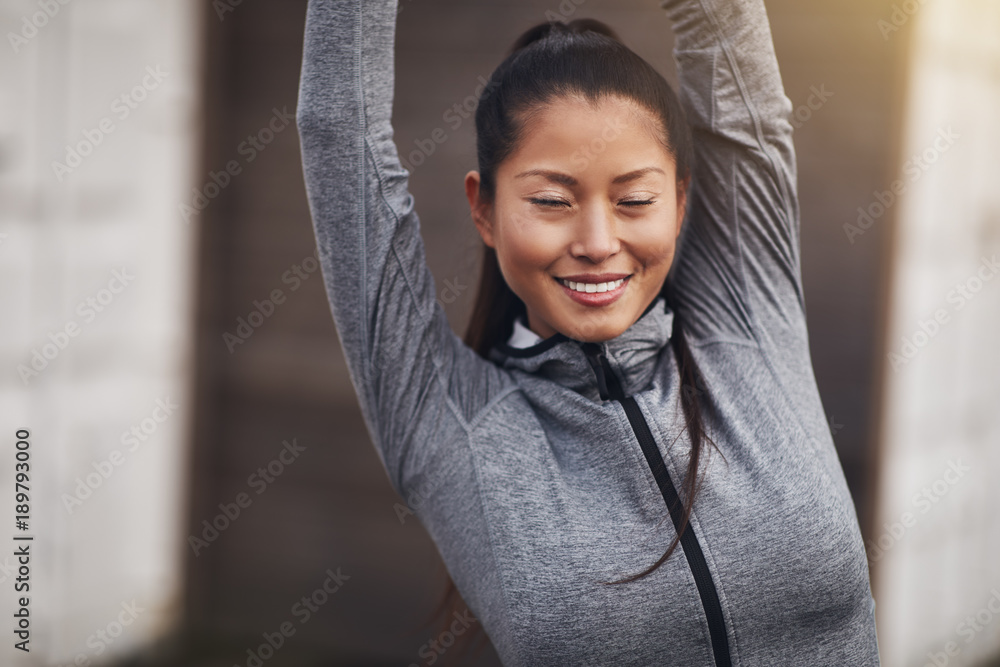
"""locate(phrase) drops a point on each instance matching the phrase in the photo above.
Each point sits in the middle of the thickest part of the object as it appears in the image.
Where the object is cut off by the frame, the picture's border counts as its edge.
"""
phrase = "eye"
(549, 203)
(634, 203)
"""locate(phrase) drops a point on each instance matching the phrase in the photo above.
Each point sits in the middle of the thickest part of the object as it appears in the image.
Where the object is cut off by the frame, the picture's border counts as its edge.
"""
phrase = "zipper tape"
(609, 385)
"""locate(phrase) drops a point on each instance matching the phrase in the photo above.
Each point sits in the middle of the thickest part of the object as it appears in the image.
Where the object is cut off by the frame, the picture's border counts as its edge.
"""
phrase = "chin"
(596, 333)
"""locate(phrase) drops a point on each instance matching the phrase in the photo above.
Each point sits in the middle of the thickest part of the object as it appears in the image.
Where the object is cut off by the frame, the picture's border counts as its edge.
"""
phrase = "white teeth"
(593, 287)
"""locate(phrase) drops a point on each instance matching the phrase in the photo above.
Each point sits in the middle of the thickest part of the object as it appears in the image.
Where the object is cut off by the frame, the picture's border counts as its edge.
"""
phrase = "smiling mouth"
(591, 288)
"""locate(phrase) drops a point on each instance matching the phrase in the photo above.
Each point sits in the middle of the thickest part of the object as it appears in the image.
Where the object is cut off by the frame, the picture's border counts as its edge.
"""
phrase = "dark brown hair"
(552, 59)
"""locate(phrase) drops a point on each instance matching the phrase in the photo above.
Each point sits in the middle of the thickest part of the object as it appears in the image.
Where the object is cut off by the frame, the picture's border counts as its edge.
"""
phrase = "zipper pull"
(595, 357)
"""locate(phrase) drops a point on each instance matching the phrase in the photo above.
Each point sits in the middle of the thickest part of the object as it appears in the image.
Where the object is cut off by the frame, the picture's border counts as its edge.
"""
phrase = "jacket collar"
(633, 355)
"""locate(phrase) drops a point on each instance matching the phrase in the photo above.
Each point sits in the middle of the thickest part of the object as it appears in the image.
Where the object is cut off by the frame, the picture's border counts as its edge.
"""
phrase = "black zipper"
(611, 389)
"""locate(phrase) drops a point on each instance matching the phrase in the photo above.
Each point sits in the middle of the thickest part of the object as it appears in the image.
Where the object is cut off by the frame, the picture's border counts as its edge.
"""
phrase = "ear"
(481, 212)
(682, 191)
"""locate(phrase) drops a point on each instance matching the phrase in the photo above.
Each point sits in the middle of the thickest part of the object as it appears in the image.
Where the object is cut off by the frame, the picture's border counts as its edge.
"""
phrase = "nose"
(596, 235)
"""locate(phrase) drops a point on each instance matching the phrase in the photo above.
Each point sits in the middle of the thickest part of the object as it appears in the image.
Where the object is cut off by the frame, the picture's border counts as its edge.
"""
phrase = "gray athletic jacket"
(538, 472)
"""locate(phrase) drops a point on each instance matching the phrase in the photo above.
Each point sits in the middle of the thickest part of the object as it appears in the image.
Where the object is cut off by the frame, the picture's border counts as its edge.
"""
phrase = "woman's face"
(591, 198)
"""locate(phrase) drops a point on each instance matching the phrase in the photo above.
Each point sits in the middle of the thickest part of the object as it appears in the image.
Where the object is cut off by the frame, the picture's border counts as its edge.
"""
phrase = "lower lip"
(595, 299)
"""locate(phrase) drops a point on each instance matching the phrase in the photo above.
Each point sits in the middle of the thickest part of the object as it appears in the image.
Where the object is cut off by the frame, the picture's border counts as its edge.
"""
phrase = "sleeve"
(737, 270)
(414, 377)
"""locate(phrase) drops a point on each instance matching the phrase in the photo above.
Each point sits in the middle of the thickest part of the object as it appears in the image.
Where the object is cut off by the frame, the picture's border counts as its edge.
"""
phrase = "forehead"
(576, 104)
(571, 130)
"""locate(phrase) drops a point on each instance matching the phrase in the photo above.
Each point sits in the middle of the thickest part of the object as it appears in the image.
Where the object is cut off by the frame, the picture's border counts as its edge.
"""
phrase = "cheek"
(653, 245)
(527, 245)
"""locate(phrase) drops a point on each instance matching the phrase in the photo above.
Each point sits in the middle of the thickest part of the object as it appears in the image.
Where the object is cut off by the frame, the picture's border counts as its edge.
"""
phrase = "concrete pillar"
(98, 145)
(934, 550)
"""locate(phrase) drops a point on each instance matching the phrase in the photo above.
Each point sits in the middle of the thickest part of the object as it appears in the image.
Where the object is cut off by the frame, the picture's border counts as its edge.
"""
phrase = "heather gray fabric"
(532, 487)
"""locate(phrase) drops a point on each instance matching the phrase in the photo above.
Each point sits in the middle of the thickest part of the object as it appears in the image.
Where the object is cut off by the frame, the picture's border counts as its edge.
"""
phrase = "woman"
(615, 373)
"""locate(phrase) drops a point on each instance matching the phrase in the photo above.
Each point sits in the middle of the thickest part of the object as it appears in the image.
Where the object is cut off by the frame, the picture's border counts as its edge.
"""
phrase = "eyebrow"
(567, 180)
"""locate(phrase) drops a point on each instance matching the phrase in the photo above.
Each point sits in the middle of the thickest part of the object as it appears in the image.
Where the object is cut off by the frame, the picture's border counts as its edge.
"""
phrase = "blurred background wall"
(263, 485)
(99, 137)
(937, 537)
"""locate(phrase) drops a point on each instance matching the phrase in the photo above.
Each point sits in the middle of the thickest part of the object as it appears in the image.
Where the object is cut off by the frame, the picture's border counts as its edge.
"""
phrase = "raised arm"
(412, 374)
(738, 264)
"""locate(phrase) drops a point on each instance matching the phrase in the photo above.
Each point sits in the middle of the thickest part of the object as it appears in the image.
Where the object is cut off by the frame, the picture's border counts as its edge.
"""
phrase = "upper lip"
(595, 277)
